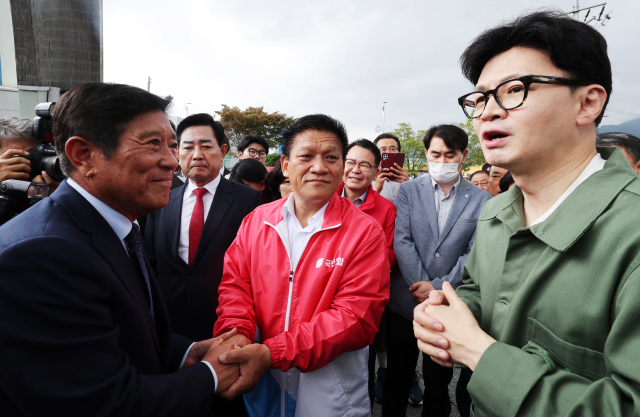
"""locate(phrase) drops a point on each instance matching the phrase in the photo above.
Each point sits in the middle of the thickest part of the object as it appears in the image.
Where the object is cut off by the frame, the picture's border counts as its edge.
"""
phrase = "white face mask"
(444, 172)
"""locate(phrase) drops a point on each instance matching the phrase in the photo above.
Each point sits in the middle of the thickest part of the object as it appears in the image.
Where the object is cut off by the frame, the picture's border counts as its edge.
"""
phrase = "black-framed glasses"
(509, 94)
(364, 165)
(254, 152)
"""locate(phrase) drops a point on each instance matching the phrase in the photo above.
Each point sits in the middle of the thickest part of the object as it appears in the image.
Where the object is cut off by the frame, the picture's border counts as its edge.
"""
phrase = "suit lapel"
(221, 202)
(460, 201)
(106, 242)
(172, 219)
(429, 201)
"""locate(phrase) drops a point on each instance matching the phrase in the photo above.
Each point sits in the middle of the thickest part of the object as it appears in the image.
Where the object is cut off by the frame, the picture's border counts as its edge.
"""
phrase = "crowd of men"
(154, 281)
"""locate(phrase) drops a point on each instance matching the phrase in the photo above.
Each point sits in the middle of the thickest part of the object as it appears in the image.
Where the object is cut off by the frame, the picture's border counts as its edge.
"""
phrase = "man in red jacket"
(360, 171)
(308, 278)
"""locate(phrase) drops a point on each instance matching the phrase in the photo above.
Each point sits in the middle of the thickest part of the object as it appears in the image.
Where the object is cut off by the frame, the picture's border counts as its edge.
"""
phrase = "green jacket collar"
(578, 212)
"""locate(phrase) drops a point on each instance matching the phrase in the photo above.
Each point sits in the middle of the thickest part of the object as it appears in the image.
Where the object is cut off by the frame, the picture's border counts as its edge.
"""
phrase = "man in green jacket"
(548, 317)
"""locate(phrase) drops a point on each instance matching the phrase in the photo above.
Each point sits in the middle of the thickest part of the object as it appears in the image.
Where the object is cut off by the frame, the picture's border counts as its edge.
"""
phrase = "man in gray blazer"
(435, 229)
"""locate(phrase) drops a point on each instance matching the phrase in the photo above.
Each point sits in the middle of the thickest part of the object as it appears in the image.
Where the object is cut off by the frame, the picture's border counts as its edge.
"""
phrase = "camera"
(43, 157)
(16, 196)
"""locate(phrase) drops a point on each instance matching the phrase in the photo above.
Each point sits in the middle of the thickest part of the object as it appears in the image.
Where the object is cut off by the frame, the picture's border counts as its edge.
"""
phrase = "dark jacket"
(76, 335)
(191, 293)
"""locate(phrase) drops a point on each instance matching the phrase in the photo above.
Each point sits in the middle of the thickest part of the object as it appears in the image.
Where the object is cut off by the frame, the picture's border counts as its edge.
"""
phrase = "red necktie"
(197, 223)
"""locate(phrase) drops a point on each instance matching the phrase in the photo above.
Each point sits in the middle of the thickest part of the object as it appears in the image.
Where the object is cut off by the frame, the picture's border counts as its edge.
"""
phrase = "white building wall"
(9, 96)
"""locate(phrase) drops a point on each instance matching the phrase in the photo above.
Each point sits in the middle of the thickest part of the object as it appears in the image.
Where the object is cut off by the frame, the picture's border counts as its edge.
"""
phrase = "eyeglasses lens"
(510, 95)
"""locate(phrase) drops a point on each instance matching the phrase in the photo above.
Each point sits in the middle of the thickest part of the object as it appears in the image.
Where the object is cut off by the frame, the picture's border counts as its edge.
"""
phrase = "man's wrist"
(483, 341)
(266, 354)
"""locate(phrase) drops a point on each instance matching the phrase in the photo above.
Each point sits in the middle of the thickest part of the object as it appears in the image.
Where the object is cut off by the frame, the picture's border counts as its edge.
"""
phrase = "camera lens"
(51, 165)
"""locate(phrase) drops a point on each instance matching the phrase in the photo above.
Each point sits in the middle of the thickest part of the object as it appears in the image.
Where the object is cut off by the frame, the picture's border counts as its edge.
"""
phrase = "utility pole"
(149, 84)
(383, 117)
(186, 106)
(597, 18)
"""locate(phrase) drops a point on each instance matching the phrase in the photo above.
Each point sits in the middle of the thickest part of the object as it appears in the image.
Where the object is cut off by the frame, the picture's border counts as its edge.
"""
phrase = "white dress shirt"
(188, 203)
(596, 164)
(122, 227)
(297, 235)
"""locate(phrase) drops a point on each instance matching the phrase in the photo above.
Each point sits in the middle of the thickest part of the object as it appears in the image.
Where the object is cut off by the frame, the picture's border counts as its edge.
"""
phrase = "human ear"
(83, 154)
(592, 100)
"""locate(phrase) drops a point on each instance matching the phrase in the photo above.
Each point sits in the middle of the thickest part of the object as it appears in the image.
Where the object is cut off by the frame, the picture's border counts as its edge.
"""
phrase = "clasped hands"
(447, 330)
(239, 364)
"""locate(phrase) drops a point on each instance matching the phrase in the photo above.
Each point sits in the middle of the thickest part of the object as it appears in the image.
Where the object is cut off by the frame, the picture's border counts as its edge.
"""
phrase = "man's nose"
(197, 153)
(169, 158)
(319, 165)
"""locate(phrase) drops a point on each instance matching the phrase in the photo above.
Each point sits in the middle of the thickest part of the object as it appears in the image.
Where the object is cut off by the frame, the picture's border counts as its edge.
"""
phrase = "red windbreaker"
(335, 297)
(384, 211)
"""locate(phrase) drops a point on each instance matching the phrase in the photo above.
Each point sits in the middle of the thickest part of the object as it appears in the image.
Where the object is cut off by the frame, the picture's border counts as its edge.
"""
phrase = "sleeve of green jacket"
(469, 291)
(510, 381)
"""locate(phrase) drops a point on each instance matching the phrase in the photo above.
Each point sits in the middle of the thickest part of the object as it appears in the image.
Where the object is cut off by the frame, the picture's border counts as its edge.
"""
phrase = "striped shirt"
(444, 203)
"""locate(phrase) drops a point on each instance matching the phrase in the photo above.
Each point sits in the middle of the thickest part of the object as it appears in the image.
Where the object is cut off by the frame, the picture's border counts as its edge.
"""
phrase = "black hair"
(100, 113)
(317, 122)
(248, 140)
(272, 183)
(454, 137)
(505, 182)
(630, 143)
(368, 145)
(481, 171)
(572, 46)
(249, 169)
(203, 119)
(388, 136)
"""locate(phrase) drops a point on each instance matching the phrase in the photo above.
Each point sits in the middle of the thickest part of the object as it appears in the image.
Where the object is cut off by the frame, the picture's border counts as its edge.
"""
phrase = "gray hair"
(15, 127)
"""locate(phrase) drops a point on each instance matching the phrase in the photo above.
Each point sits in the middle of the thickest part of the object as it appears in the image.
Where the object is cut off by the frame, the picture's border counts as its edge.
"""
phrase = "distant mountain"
(631, 126)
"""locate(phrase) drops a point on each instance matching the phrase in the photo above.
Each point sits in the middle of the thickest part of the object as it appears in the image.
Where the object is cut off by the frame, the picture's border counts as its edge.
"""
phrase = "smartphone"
(389, 159)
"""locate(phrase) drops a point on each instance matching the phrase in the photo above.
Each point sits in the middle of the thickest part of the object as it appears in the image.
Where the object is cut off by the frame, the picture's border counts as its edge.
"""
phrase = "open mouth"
(492, 136)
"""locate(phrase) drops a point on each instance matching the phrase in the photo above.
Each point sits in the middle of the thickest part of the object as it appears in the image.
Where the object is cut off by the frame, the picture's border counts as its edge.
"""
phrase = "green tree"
(272, 159)
(475, 156)
(413, 148)
(253, 121)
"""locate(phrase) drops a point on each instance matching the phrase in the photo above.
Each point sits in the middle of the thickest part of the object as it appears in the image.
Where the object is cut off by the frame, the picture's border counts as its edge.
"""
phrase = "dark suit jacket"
(191, 293)
(76, 334)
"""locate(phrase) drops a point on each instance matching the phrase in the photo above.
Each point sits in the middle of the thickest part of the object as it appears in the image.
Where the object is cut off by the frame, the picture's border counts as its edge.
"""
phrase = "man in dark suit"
(186, 240)
(84, 327)
(435, 229)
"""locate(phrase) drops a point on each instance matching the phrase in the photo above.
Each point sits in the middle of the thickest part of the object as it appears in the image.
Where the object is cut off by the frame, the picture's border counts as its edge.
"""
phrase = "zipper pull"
(291, 276)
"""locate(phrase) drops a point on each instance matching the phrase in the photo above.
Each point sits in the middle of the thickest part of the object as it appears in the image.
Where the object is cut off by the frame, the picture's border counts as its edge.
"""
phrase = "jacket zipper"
(286, 320)
(283, 375)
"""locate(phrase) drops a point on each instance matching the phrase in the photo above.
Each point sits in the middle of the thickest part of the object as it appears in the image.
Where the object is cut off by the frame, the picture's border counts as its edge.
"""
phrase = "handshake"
(239, 364)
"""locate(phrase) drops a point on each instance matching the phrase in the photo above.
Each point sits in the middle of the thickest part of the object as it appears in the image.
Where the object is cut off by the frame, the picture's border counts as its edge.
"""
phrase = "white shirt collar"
(120, 224)
(289, 211)
(211, 186)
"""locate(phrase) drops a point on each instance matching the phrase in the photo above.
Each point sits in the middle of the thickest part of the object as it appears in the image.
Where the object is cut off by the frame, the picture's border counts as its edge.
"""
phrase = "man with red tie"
(186, 240)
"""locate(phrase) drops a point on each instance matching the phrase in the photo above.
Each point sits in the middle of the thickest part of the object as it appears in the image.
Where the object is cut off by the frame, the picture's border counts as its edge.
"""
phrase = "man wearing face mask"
(435, 229)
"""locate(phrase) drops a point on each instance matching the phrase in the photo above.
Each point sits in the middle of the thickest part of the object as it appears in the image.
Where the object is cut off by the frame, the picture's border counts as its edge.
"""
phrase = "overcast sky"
(342, 58)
